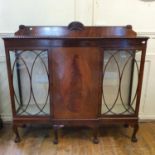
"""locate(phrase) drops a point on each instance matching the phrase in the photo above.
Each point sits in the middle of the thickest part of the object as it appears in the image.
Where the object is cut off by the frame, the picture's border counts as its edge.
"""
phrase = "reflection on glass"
(30, 82)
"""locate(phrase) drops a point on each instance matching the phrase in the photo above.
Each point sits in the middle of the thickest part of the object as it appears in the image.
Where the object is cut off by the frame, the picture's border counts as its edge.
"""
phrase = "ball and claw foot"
(17, 139)
(95, 140)
(55, 141)
(95, 136)
(135, 130)
(134, 139)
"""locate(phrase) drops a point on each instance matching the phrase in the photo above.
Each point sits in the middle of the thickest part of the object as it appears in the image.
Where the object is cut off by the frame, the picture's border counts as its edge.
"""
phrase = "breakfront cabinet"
(75, 76)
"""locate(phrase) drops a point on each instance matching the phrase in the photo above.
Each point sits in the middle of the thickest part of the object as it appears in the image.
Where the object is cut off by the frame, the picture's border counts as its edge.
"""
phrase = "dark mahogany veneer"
(76, 63)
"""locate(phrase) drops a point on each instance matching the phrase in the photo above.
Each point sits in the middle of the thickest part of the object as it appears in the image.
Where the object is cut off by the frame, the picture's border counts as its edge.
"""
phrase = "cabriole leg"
(135, 130)
(95, 136)
(17, 138)
(55, 128)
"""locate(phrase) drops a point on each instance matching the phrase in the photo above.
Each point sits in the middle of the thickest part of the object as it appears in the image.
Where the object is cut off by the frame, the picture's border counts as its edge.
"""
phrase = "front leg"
(135, 130)
(55, 128)
(95, 135)
(17, 138)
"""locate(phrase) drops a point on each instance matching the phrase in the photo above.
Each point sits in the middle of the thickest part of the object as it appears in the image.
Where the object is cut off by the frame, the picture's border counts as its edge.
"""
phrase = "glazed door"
(30, 82)
(121, 75)
(76, 80)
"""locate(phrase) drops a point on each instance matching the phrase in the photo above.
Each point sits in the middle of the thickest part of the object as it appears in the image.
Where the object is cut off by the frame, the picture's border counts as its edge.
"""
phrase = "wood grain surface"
(76, 75)
(114, 140)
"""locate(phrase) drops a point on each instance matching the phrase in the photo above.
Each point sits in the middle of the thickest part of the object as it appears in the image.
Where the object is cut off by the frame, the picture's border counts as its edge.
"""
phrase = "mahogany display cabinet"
(75, 75)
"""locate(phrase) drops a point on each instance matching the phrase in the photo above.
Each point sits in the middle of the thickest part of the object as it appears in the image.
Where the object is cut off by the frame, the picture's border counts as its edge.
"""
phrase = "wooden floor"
(114, 140)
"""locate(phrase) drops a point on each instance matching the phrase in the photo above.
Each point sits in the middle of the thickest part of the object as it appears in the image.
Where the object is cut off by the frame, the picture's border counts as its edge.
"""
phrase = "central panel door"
(76, 82)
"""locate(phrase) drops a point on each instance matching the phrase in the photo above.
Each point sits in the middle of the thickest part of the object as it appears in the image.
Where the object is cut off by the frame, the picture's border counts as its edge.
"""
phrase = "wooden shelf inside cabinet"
(75, 75)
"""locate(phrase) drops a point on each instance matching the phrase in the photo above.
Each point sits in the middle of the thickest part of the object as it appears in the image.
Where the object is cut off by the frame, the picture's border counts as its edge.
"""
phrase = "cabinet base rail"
(72, 123)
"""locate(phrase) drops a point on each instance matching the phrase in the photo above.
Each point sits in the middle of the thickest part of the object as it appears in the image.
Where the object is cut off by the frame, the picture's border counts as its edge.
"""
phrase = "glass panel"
(120, 80)
(30, 82)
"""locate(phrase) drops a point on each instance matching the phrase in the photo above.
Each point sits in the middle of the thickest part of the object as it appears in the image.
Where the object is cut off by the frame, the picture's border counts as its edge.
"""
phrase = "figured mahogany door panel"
(76, 79)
